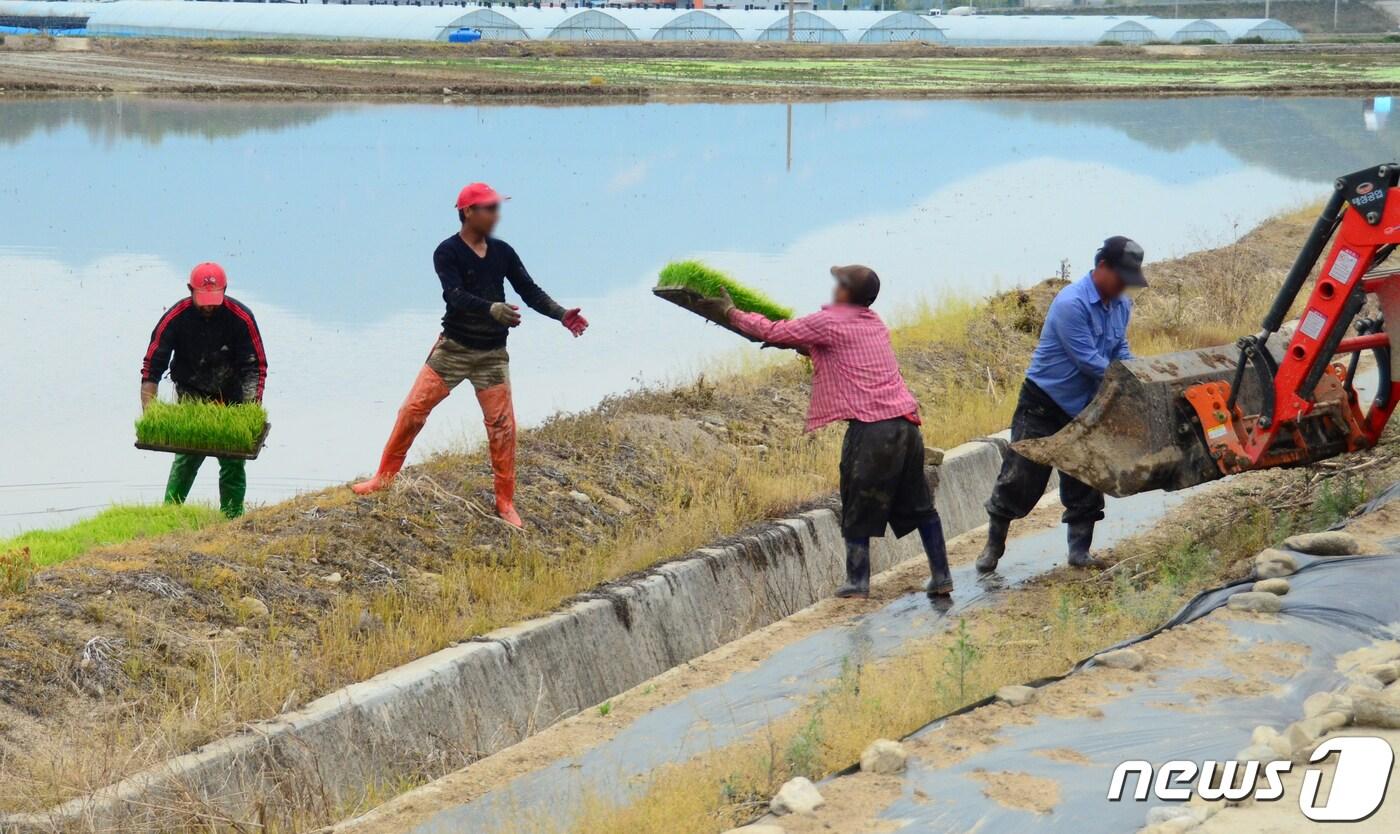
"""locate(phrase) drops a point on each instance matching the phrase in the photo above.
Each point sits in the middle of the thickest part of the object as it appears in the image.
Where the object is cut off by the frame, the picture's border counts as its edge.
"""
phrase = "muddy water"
(326, 217)
(749, 701)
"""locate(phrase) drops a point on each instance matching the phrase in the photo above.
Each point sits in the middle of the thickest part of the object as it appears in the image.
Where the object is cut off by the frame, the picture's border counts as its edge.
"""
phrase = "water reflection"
(107, 121)
(1317, 139)
(326, 217)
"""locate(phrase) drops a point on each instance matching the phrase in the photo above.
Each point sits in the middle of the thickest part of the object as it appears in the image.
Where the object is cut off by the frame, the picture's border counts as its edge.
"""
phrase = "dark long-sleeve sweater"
(219, 358)
(471, 284)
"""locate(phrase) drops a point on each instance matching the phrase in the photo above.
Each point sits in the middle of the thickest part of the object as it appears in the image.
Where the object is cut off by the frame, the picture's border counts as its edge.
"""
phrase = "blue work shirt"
(1083, 333)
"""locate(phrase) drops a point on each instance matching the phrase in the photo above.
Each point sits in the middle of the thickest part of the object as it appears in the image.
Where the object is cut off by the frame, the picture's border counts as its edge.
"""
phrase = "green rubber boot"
(233, 486)
(182, 473)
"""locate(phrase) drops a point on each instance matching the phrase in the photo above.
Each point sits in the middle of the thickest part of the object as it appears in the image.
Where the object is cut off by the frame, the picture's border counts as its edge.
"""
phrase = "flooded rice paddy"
(326, 217)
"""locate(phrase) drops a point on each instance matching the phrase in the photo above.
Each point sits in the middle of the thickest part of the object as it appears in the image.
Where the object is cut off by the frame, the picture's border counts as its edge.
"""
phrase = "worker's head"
(207, 286)
(855, 284)
(479, 207)
(1118, 266)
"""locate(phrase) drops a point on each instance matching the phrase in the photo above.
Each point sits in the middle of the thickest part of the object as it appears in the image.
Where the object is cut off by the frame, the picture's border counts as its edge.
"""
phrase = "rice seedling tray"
(688, 283)
(202, 427)
(210, 452)
(682, 297)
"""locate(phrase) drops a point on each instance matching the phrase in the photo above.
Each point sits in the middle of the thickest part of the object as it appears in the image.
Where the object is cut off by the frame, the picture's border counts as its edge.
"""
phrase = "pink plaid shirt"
(855, 374)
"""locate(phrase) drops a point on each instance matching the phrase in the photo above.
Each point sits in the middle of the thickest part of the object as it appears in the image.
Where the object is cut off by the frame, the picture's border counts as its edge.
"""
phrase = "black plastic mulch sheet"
(1334, 606)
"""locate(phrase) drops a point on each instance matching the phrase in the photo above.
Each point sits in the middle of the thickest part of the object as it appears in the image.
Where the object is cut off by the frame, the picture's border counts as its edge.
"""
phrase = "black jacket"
(218, 358)
(471, 284)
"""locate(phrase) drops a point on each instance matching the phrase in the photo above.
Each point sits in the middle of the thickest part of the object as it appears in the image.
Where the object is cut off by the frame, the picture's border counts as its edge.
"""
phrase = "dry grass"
(427, 566)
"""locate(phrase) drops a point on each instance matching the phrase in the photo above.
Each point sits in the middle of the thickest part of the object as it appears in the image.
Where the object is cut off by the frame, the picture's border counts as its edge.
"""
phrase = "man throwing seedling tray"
(856, 378)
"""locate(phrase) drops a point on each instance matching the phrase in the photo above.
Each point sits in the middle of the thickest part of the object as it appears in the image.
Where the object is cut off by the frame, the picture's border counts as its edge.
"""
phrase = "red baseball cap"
(478, 194)
(209, 283)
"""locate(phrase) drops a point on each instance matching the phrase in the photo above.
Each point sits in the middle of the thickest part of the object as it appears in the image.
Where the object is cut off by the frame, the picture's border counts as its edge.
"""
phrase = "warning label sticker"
(1215, 433)
(1312, 324)
(1343, 268)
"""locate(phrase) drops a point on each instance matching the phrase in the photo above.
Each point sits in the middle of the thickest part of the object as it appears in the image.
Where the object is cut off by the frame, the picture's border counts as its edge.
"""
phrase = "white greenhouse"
(1185, 30)
(197, 19)
(1043, 30)
(1264, 28)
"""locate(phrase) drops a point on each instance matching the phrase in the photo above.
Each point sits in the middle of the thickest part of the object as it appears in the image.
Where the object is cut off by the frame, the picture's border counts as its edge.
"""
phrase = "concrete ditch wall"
(474, 699)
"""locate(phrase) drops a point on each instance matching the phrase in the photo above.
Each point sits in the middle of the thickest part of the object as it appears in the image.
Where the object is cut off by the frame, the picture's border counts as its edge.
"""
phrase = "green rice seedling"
(196, 424)
(706, 280)
(115, 525)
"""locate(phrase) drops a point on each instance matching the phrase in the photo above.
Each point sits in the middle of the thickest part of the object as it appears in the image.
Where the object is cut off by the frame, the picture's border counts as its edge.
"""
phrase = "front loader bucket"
(1139, 433)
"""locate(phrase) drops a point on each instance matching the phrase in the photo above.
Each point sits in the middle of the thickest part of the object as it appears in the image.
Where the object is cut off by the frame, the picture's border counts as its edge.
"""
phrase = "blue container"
(464, 35)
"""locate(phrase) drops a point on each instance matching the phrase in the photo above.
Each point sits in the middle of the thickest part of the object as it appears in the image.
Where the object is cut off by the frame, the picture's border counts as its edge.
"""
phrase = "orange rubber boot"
(499, 414)
(428, 390)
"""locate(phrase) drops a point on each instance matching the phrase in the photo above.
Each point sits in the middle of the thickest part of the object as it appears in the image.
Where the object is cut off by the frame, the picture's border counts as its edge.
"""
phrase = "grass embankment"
(355, 586)
(706, 280)
(1040, 631)
(196, 424)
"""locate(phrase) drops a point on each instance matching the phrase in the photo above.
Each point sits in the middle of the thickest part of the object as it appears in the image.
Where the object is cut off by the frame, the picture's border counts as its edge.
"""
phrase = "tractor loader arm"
(1276, 398)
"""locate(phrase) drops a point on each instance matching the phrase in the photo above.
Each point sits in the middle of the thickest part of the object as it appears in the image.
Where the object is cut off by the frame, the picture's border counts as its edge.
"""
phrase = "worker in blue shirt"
(1085, 329)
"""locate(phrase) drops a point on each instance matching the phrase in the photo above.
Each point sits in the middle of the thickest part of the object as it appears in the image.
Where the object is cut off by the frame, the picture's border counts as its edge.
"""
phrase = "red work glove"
(575, 321)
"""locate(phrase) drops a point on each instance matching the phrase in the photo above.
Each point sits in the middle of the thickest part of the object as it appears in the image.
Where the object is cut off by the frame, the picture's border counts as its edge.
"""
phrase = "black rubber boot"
(997, 528)
(857, 571)
(940, 581)
(1081, 539)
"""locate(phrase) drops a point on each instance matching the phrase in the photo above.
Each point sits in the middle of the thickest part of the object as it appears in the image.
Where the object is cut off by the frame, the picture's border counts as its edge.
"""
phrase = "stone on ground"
(1270, 738)
(1278, 585)
(1272, 563)
(1016, 696)
(253, 608)
(1386, 673)
(1328, 543)
(757, 829)
(1376, 709)
(1324, 702)
(1303, 735)
(1130, 659)
(797, 796)
(1259, 602)
(884, 757)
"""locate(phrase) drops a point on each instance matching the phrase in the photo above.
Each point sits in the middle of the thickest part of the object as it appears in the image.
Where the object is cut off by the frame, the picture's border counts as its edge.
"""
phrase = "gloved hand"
(575, 321)
(716, 308)
(507, 314)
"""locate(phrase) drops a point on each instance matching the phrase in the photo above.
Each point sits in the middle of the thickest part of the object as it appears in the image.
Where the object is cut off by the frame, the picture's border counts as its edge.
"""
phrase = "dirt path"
(571, 72)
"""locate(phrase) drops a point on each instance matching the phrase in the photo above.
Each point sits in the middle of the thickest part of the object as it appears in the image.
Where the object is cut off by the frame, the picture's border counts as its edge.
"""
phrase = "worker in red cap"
(473, 267)
(213, 349)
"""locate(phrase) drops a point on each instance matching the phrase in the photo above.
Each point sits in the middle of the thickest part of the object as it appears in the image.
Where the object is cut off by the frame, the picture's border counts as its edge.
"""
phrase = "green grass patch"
(706, 280)
(195, 424)
(121, 523)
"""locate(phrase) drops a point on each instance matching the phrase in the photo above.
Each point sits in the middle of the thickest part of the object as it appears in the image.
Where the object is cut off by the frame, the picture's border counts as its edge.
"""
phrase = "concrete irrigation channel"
(710, 716)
